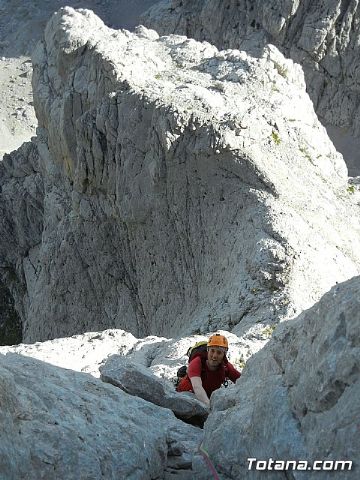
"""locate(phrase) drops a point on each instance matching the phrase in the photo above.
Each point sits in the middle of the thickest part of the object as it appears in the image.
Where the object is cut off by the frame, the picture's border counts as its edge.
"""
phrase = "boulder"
(298, 397)
(185, 189)
(58, 423)
(138, 380)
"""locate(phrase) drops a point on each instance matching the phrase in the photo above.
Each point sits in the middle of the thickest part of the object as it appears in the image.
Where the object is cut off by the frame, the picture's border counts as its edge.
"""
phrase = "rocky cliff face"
(171, 188)
(322, 37)
(297, 399)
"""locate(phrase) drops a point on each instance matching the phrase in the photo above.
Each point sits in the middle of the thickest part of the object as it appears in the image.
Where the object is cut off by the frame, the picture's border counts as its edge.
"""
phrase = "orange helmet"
(218, 340)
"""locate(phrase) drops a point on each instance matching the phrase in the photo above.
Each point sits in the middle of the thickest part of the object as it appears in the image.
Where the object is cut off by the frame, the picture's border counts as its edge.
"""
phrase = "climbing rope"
(208, 462)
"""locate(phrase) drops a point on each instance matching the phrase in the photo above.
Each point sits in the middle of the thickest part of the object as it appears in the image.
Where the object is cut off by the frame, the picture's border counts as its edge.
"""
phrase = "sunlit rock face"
(321, 36)
(175, 188)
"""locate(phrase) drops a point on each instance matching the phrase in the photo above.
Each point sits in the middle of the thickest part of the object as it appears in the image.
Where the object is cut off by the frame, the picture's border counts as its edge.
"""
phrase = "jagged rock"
(62, 424)
(321, 36)
(186, 189)
(298, 397)
(138, 380)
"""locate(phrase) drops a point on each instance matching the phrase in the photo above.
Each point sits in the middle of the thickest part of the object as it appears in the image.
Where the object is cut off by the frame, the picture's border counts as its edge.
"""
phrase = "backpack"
(199, 349)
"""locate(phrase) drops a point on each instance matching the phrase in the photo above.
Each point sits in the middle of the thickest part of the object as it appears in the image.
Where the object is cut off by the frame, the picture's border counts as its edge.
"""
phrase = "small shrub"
(306, 153)
(282, 70)
(275, 137)
(268, 331)
(351, 189)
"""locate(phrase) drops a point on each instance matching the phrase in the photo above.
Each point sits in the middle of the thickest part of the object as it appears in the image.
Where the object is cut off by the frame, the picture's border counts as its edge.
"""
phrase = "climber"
(208, 370)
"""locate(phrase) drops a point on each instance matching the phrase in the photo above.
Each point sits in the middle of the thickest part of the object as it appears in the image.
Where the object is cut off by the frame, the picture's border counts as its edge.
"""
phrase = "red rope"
(208, 462)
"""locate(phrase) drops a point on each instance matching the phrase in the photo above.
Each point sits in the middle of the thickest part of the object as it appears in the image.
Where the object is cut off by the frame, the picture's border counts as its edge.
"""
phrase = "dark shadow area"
(195, 421)
(10, 324)
(348, 146)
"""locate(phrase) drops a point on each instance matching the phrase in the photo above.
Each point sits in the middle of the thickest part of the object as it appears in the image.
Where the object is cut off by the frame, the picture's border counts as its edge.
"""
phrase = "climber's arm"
(199, 391)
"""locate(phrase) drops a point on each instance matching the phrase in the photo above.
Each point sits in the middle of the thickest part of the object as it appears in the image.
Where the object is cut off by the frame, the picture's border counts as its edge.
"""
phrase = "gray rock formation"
(178, 189)
(60, 424)
(298, 398)
(322, 36)
(139, 381)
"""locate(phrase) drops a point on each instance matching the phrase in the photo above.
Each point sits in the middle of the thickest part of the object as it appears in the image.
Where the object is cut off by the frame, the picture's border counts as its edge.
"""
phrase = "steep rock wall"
(184, 189)
(321, 36)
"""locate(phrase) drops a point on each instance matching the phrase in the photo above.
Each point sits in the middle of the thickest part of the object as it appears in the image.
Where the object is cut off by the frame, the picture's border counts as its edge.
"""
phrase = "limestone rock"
(82, 353)
(139, 381)
(323, 37)
(297, 397)
(186, 189)
(62, 424)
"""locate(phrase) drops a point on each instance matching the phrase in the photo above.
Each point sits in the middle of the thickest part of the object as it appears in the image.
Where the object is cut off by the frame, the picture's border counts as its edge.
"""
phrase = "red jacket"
(211, 380)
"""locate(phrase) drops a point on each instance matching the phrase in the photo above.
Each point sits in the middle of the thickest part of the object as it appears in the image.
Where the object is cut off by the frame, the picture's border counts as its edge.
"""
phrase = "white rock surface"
(60, 424)
(17, 115)
(321, 36)
(186, 189)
